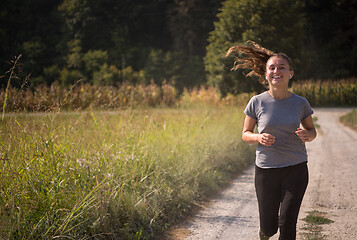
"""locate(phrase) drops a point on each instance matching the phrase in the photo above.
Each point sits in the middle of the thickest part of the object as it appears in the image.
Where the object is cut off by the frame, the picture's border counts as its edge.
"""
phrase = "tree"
(331, 42)
(126, 27)
(176, 68)
(55, 37)
(33, 28)
(190, 22)
(275, 24)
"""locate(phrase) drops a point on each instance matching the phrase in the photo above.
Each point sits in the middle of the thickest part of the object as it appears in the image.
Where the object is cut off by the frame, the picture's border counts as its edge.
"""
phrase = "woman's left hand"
(303, 134)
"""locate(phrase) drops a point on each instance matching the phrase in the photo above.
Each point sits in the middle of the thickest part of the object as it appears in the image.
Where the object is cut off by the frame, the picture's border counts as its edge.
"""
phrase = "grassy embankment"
(113, 175)
(350, 119)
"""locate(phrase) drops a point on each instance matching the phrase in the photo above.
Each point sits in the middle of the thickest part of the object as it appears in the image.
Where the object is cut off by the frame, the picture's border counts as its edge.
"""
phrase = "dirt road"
(332, 189)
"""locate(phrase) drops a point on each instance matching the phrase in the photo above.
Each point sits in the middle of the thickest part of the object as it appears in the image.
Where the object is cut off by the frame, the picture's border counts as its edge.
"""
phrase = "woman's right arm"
(249, 136)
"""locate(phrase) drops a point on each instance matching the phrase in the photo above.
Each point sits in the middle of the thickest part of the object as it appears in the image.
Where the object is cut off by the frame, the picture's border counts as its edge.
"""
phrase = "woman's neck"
(279, 93)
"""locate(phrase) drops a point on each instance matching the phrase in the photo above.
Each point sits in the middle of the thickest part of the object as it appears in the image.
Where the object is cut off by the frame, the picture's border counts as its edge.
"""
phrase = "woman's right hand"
(249, 136)
(266, 139)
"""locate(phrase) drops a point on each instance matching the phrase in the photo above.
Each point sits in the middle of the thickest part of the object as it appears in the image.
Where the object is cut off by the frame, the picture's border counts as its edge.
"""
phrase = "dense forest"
(181, 42)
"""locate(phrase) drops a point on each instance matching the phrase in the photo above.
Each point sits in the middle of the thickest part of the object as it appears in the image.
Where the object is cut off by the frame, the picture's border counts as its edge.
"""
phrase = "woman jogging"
(284, 123)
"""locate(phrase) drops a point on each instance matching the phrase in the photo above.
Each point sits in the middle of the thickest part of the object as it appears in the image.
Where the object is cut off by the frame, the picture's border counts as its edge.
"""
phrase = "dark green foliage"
(96, 41)
(331, 41)
(33, 28)
(175, 68)
(69, 40)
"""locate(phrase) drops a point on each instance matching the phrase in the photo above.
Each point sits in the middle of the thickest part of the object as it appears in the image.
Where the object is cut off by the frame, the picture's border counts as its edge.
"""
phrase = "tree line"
(180, 42)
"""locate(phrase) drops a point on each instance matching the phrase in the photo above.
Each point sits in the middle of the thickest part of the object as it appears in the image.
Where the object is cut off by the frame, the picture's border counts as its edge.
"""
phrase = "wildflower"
(81, 161)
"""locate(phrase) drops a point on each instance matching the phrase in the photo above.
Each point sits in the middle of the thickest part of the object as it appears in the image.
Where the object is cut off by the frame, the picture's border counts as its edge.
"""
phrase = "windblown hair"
(254, 57)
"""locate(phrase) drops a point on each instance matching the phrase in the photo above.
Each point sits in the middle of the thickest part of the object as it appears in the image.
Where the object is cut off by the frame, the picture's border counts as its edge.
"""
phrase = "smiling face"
(278, 72)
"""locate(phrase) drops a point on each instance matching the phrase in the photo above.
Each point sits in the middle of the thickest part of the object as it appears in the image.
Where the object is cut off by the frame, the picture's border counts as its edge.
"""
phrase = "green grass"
(316, 217)
(350, 119)
(313, 228)
(113, 175)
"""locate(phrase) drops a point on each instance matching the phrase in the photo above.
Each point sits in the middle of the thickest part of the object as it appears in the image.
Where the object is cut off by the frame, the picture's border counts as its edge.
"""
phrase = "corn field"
(328, 93)
(87, 96)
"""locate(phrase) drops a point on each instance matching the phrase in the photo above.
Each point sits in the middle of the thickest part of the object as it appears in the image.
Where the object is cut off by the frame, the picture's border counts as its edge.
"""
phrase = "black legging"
(284, 189)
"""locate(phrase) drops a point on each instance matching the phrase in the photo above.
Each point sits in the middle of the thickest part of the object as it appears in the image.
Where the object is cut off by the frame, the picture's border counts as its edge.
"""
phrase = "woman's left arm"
(308, 133)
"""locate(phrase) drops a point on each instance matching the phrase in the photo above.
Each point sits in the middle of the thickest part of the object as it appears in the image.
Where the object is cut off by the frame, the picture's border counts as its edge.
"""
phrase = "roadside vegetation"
(313, 222)
(124, 174)
(350, 119)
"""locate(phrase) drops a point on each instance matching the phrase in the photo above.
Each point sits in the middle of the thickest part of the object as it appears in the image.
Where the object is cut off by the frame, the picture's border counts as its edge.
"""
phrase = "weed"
(15, 66)
(312, 227)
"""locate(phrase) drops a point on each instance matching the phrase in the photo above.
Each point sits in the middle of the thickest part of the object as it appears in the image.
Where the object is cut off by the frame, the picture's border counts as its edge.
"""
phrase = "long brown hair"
(254, 57)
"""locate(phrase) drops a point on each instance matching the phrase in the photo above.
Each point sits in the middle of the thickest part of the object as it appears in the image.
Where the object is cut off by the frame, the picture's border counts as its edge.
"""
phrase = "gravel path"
(332, 189)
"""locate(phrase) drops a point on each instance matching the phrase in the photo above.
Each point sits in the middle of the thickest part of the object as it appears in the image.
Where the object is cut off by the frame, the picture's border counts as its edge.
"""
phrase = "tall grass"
(11, 75)
(126, 174)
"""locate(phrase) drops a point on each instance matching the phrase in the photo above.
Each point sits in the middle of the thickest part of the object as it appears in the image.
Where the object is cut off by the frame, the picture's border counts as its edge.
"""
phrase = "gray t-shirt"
(280, 118)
